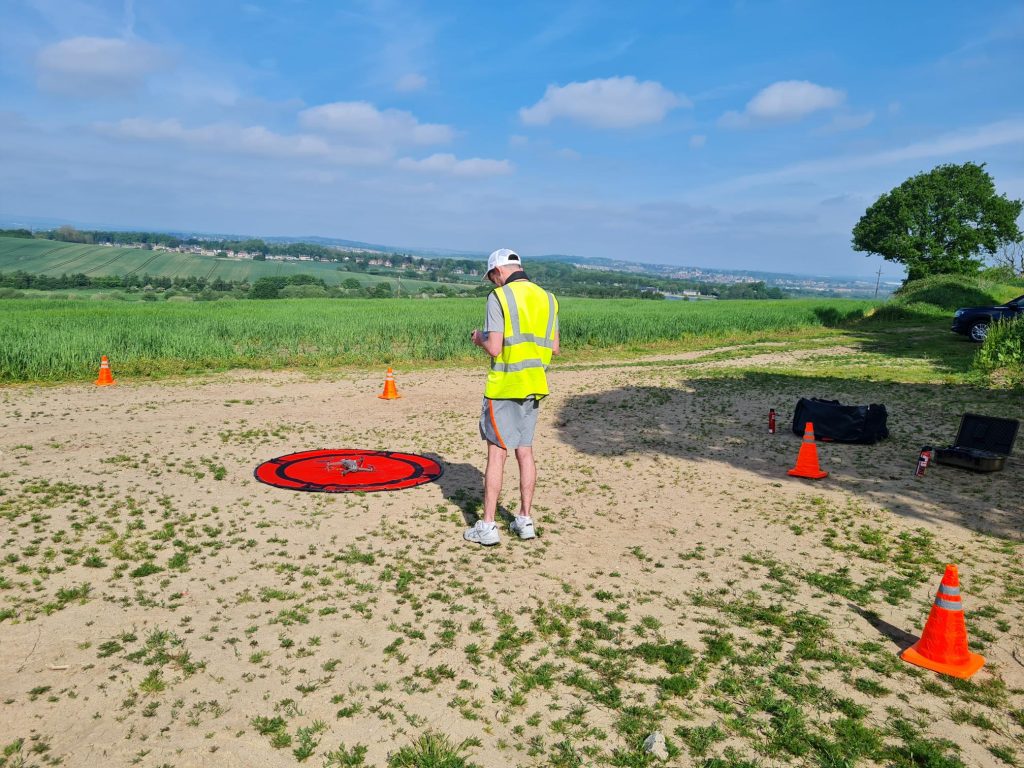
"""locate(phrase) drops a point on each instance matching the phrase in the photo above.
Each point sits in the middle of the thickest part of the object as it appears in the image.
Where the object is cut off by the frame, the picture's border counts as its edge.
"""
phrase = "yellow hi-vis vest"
(529, 337)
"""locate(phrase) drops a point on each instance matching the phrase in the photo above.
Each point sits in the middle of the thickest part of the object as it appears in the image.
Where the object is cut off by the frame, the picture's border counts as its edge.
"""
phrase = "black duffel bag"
(840, 423)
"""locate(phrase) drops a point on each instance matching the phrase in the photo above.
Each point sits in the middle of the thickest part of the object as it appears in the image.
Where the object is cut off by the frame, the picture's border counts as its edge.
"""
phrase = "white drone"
(346, 466)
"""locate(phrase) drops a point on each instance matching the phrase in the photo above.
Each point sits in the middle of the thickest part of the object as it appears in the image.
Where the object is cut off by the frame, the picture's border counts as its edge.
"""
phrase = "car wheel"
(978, 332)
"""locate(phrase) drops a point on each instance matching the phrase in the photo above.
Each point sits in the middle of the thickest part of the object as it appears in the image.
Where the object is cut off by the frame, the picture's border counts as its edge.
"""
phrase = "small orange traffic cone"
(943, 645)
(807, 459)
(390, 390)
(105, 378)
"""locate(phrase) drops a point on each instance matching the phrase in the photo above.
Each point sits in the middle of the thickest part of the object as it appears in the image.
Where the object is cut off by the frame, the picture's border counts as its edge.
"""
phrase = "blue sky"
(748, 134)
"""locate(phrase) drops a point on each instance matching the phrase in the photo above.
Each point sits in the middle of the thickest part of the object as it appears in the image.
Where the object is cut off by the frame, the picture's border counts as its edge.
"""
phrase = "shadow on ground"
(724, 420)
(898, 637)
(463, 485)
(911, 335)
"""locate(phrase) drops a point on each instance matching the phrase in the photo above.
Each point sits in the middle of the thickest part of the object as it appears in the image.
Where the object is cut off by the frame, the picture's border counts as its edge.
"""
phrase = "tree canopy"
(940, 222)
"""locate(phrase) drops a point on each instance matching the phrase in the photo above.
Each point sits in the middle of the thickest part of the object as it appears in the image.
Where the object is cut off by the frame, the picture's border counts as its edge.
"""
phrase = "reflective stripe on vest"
(528, 341)
(522, 365)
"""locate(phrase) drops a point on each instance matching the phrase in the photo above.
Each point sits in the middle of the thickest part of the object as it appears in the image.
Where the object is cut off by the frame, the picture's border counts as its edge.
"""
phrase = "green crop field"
(49, 340)
(47, 257)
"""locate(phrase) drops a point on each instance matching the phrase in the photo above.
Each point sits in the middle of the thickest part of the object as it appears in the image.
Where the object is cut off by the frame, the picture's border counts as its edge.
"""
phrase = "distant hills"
(52, 258)
(790, 282)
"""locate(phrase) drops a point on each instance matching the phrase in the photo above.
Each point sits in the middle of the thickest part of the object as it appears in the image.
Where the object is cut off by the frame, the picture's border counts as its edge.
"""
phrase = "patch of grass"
(433, 750)
(870, 687)
(839, 583)
(719, 647)
(1006, 754)
(70, 594)
(700, 739)
(918, 751)
(306, 741)
(153, 683)
(276, 728)
(146, 569)
(178, 561)
(949, 292)
(343, 757)
(676, 655)
(679, 685)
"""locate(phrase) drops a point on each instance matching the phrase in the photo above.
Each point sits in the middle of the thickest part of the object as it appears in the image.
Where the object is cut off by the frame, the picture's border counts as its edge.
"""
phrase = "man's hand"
(490, 343)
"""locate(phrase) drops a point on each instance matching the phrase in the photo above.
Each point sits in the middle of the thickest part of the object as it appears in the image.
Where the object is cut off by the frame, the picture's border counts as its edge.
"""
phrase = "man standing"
(520, 335)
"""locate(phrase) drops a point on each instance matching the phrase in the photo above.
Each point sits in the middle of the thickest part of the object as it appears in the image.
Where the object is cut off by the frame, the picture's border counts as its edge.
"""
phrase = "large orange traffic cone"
(807, 459)
(943, 645)
(105, 378)
(390, 390)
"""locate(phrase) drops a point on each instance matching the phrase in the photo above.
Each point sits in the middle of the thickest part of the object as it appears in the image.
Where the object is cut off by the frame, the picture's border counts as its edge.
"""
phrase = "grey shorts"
(509, 423)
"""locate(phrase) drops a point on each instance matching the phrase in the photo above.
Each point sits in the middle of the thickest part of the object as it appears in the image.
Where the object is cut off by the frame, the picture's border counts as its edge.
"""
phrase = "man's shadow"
(463, 486)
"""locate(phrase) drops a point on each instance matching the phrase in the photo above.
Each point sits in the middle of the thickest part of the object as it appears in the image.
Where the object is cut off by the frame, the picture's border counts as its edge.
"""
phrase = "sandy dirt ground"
(161, 607)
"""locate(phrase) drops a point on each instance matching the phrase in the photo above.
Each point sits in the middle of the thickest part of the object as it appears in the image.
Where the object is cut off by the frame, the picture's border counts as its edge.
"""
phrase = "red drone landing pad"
(348, 470)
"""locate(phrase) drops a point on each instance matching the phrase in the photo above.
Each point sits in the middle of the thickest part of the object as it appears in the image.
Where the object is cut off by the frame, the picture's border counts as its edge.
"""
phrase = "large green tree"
(941, 222)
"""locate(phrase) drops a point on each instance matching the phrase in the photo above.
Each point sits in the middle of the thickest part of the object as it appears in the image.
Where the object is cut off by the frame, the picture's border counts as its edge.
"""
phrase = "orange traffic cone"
(390, 390)
(105, 378)
(943, 646)
(807, 459)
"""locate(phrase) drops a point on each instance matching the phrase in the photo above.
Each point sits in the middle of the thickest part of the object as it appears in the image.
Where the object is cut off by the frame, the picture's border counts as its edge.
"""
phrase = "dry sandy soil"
(681, 582)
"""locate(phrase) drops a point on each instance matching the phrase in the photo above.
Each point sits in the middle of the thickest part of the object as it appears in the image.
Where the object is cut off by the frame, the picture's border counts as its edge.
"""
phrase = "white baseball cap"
(501, 258)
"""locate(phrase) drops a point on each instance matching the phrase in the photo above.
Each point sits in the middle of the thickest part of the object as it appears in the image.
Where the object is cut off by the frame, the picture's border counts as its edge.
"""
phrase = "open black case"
(982, 443)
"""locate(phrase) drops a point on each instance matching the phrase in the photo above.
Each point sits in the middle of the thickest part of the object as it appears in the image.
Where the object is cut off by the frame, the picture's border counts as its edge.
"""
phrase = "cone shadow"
(891, 632)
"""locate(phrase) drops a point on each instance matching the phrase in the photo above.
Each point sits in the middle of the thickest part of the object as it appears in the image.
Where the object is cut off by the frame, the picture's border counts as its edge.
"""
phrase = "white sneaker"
(522, 526)
(482, 533)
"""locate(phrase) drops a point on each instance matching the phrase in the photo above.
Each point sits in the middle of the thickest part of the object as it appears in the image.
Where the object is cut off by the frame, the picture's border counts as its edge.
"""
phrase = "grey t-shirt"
(495, 317)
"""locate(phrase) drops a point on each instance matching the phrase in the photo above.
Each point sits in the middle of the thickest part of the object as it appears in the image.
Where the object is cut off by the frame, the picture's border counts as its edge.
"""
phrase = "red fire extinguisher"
(923, 460)
(771, 421)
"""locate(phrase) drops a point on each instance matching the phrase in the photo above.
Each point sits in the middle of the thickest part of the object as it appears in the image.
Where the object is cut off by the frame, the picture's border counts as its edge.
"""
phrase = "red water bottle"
(771, 421)
(923, 460)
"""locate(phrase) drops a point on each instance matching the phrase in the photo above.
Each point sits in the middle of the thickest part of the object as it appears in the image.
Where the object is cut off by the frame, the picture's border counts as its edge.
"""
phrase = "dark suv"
(973, 322)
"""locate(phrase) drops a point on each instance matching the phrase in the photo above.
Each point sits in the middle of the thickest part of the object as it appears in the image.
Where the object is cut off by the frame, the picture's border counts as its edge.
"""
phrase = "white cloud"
(947, 148)
(91, 66)
(413, 81)
(697, 141)
(616, 102)
(449, 164)
(791, 99)
(261, 141)
(784, 101)
(254, 140)
(362, 122)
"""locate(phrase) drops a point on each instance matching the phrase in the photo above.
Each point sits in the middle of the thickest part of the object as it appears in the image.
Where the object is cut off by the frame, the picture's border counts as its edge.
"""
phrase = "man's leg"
(527, 478)
(493, 476)
(522, 526)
